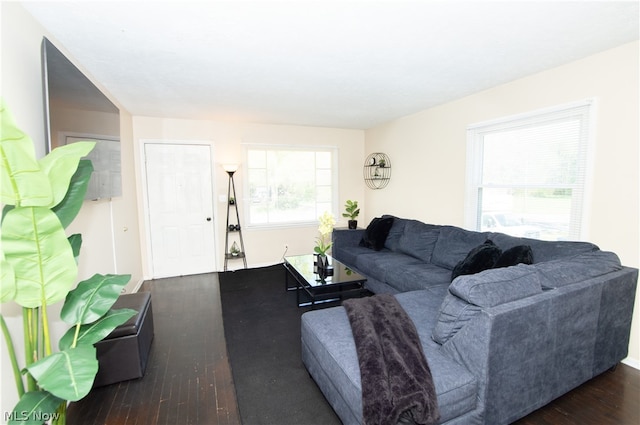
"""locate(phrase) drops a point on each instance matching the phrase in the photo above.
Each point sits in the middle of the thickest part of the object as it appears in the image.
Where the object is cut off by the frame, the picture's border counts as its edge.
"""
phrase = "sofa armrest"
(542, 346)
(343, 237)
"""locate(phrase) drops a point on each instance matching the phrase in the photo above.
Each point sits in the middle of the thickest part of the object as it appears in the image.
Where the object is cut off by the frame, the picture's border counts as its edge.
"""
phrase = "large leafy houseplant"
(39, 268)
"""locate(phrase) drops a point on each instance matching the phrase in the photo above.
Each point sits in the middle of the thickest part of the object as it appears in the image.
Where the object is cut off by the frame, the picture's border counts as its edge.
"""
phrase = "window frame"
(475, 150)
(333, 150)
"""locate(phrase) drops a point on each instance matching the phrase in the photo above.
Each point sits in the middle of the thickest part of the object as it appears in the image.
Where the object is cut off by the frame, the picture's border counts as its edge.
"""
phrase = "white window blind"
(289, 186)
(527, 174)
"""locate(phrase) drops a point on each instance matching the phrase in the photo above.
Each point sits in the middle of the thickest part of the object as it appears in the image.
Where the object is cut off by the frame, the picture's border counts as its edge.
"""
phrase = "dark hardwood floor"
(188, 378)
(611, 398)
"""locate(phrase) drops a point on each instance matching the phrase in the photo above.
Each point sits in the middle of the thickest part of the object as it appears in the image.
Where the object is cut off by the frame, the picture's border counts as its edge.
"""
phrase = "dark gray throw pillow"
(482, 257)
(376, 233)
(520, 254)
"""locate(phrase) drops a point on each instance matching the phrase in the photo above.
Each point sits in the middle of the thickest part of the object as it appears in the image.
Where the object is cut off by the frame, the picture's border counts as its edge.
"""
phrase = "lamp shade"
(230, 168)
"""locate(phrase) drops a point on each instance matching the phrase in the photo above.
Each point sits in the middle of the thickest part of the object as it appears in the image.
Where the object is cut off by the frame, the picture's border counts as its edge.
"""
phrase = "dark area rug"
(262, 330)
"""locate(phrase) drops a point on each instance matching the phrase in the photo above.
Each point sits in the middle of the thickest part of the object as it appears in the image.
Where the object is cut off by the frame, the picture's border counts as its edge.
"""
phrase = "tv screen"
(76, 110)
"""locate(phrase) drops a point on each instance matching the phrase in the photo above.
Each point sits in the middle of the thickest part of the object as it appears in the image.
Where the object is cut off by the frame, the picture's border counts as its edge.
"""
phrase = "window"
(290, 185)
(526, 174)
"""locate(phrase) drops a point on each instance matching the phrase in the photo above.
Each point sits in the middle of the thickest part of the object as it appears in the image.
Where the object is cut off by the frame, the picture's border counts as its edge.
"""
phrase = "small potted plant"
(351, 212)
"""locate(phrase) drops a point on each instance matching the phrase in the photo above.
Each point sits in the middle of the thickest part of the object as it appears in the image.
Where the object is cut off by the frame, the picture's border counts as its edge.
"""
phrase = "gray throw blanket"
(397, 386)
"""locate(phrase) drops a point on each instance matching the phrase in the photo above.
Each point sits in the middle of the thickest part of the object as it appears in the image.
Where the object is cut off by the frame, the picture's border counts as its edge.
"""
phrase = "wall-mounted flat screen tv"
(76, 110)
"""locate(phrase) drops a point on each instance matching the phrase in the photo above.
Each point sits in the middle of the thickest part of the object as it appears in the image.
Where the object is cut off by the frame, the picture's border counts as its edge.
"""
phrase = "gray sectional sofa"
(500, 343)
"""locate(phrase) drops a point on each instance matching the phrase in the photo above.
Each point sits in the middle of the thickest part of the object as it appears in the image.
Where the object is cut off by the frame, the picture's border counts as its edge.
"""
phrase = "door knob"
(208, 218)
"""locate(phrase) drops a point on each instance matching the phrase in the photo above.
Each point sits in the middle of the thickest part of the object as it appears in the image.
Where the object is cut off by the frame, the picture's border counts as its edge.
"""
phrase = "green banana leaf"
(92, 298)
(34, 407)
(61, 164)
(5, 210)
(98, 330)
(67, 374)
(22, 182)
(7, 280)
(75, 241)
(36, 246)
(68, 208)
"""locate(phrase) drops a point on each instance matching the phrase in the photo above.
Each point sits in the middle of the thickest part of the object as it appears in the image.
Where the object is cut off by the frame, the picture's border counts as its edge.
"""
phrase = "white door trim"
(145, 204)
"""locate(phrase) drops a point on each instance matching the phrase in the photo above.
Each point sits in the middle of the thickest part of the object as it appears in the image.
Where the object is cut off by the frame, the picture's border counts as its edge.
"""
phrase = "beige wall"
(428, 151)
(263, 246)
(109, 228)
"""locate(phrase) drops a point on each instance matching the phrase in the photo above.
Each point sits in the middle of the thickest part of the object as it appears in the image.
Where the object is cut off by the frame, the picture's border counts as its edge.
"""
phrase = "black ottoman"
(123, 354)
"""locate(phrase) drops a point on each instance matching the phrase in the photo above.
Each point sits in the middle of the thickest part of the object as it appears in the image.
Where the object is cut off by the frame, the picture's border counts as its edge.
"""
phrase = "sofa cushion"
(454, 313)
(558, 273)
(454, 244)
(480, 258)
(376, 233)
(498, 286)
(419, 240)
(396, 231)
(416, 274)
(378, 264)
(469, 293)
(349, 254)
(327, 339)
(519, 254)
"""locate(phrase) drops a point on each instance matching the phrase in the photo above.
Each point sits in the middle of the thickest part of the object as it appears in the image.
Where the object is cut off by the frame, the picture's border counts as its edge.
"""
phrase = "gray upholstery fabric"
(419, 240)
(486, 289)
(453, 245)
(417, 275)
(453, 315)
(543, 250)
(562, 272)
(396, 231)
(507, 347)
(345, 245)
(497, 286)
(379, 263)
(614, 320)
(327, 341)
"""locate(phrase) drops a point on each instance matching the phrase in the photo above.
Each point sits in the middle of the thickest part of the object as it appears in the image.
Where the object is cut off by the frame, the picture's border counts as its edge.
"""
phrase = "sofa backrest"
(543, 250)
(446, 246)
(468, 294)
(565, 271)
(418, 240)
(454, 244)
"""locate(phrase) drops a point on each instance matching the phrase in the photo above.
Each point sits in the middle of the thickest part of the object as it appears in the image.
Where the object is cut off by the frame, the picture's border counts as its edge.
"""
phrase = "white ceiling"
(346, 64)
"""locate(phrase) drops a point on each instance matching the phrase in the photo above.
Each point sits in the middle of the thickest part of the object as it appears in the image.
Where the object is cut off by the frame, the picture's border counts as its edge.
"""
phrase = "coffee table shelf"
(318, 287)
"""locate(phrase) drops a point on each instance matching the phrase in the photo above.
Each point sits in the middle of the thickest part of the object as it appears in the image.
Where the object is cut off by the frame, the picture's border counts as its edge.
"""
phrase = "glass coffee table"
(318, 286)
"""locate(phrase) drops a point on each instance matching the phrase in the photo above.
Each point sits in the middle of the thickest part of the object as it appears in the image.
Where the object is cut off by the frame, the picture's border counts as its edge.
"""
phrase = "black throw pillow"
(376, 233)
(521, 254)
(482, 257)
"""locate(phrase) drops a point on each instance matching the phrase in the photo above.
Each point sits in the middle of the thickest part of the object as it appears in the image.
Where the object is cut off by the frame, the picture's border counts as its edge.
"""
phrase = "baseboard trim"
(634, 363)
(138, 285)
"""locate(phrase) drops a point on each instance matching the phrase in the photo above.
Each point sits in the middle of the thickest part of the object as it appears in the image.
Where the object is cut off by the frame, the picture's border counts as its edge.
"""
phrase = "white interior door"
(180, 207)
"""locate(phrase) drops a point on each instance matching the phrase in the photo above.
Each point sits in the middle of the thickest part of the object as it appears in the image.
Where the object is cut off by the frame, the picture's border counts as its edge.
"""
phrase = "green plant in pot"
(351, 212)
(39, 268)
